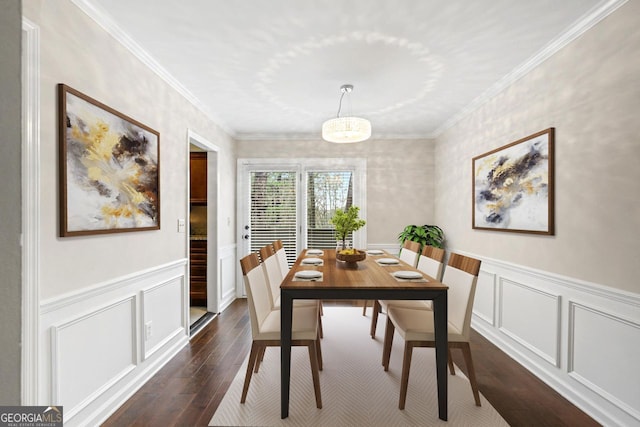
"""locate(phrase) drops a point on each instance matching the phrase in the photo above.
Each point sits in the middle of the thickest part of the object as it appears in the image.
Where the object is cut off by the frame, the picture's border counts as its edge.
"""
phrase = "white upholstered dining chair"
(275, 276)
(409, 254)
(265, 325)
(430, 262)
(416, 326)
(281, 253)
(272, 272)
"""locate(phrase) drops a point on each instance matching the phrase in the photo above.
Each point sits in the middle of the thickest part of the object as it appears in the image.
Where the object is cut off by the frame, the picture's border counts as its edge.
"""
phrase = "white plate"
(314, 252)
(407, 274)
(313, 261)
(388, 261)
(308, 274)
(374, 252)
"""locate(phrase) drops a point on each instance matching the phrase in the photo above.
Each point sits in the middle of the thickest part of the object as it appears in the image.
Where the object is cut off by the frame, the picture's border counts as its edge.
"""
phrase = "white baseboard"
(101, 344)
(582, 339)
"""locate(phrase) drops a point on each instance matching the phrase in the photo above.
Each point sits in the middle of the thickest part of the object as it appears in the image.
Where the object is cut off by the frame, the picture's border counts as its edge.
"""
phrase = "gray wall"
(10, 201)
(400, 189)
(78, 52)
(590, 92)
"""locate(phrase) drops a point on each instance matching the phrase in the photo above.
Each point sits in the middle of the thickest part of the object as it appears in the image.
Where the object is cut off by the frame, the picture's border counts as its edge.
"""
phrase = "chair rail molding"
(57, 303)
(100, 344)
(576, 335)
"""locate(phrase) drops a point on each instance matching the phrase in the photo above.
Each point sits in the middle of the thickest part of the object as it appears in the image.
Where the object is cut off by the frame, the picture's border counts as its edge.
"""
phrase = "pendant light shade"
(346, 129)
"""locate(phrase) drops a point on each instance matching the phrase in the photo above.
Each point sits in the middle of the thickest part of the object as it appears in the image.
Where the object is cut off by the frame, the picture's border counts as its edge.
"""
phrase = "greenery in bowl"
(431, 235)
(346, 222)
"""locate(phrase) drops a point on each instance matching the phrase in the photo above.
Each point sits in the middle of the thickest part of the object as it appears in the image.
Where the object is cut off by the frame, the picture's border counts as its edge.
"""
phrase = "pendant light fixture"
(346, 129)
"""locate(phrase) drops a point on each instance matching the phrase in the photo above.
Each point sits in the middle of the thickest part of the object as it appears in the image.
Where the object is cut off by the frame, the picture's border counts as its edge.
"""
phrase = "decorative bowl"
(352, 259)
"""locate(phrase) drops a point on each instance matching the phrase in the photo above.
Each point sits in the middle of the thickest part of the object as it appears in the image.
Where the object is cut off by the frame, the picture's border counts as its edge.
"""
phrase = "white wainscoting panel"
(94, 354)
(484, 302)
(228, 268)
(163, 315)
(531, 317)
(581, 338)
(82, 343)
(597, 359)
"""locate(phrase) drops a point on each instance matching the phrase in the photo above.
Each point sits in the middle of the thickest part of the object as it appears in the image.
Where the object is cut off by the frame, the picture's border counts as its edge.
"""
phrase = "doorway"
(204, 281)
(292, 200)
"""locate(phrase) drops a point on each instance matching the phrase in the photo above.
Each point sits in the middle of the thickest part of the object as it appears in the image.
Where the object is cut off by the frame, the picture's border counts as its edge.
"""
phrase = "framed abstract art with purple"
(513, 186)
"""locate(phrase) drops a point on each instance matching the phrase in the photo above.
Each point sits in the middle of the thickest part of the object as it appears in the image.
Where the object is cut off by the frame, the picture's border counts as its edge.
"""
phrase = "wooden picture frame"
(513, 186)
(109, 168)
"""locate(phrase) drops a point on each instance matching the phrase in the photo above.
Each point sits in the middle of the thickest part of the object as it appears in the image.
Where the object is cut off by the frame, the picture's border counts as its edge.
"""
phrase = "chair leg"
(314, 373)
(260, 358)
(321, 310)
(466, 351)
(319, 353)
(406, 366)
(388, 341)
(374, 318)
(253, 355)
(320, 331)
(452, 369)
(364, 307)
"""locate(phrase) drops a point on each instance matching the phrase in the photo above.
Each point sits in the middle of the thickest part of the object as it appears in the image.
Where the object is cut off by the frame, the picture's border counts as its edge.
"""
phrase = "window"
(293, 200)
(326, 192)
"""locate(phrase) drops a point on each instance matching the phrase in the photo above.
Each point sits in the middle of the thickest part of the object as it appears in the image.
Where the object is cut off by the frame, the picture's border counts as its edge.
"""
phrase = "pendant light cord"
(340, 104)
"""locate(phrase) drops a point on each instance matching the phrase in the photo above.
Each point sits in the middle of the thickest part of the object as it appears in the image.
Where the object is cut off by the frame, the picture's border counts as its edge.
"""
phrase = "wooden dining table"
(368, 280)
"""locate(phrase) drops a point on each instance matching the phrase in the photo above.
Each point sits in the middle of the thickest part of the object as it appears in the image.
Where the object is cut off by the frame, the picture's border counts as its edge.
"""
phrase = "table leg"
(286, 320)
(440, 327)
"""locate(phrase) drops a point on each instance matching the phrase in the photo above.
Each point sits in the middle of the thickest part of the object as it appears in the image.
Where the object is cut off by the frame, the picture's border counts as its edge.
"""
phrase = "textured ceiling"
(273, 69)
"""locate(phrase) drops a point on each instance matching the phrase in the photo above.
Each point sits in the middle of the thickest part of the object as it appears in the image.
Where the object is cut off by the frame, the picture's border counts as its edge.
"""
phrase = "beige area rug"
(355, 389)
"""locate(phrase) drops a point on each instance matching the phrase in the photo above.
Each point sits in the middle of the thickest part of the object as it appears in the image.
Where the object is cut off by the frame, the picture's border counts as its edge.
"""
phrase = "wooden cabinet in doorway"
(198, 184)
(198, 282)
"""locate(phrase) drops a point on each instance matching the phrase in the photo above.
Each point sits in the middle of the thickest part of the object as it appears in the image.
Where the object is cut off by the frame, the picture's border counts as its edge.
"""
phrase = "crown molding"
(583, 24)
(315, 136)
(93, 11)
(588, 20)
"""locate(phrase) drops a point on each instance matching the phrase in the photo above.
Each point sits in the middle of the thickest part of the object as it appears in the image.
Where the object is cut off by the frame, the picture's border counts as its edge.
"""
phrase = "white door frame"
(30, 211)
(213, 205)
(302, 166)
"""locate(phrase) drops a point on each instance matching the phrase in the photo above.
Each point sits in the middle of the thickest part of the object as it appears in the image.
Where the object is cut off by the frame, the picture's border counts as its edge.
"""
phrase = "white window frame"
(302, 166)
(359, 181)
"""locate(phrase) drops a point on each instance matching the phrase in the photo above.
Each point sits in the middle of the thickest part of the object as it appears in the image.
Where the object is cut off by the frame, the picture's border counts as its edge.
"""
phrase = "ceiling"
(273, 69)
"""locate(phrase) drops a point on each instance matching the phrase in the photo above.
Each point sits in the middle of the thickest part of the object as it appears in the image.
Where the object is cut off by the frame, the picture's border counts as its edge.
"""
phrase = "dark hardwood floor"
(187, 391)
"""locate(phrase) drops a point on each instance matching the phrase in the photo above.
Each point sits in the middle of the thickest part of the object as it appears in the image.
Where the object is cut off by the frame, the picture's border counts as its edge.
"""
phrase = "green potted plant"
(431, 235)
(346, 222)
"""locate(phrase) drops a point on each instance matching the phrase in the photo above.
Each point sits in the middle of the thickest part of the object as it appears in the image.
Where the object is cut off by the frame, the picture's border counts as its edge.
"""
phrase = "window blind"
(273, 211)
(326, 192)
